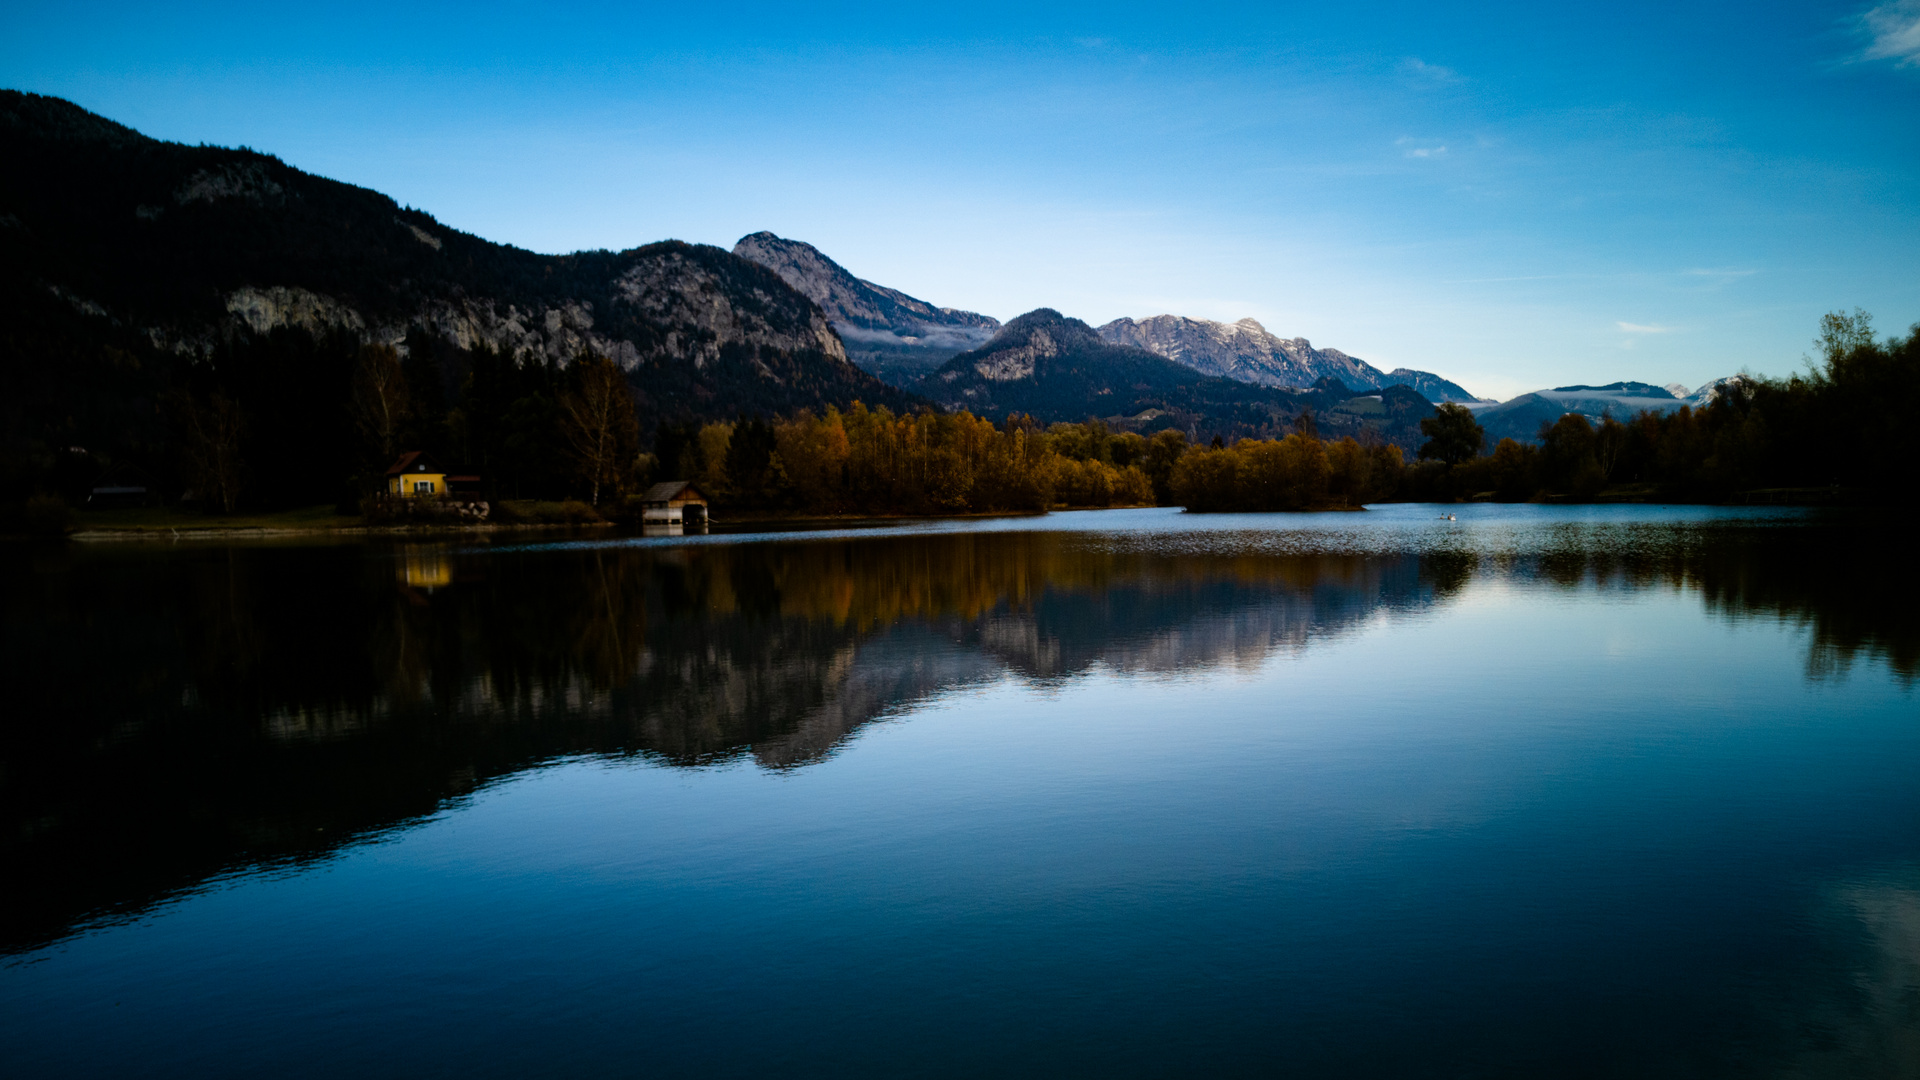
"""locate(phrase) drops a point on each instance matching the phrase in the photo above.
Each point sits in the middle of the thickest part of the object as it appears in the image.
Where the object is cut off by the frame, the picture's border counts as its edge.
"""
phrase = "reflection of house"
(426, 568)
(674, 502)
(418, 474)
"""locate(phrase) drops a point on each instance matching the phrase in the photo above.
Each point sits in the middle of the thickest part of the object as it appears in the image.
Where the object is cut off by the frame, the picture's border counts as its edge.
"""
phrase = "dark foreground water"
(1541, 791)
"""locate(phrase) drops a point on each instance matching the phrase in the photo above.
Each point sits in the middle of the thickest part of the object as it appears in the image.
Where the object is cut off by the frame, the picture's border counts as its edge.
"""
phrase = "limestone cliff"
(1249, 352)
(895, 336)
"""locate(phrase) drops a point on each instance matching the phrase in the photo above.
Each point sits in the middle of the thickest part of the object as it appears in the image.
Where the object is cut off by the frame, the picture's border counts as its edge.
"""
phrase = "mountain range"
(901, 339)
(125, 259)
(1247, 351)
(1053, 367)
(129, 264)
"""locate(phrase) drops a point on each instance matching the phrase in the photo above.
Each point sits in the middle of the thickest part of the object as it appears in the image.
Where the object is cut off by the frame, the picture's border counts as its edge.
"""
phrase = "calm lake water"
(1628, 791)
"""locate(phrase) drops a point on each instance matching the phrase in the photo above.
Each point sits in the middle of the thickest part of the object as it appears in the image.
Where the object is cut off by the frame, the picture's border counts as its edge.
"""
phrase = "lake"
(1581, 791)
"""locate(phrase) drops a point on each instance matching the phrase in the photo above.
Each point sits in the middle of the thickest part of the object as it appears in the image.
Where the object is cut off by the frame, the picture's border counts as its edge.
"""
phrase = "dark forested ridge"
(136, 272)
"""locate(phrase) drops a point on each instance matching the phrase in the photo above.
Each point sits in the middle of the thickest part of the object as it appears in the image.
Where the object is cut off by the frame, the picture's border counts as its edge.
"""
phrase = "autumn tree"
(753, 466)
(211, 431)
(1207, 479)
(1453, 435)
(1163, 451)
(1568, 458)
(1609, 443)
(1349, 473)
(381, 403)
(1514, 471)
(597, 417)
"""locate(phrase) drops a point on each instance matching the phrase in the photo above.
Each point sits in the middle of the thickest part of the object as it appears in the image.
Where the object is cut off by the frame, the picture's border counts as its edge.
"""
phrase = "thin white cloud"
(1420, 69)
(1645, 328)
(1895, 29)
(1415, 150)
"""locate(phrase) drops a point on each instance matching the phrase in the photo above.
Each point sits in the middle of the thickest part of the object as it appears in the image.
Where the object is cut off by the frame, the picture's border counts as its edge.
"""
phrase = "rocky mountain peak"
(1039, 335)
(857, 303)
(1243, 350)
(1431, 386)
(1052, 367)
(1048, 321)
(891, 334)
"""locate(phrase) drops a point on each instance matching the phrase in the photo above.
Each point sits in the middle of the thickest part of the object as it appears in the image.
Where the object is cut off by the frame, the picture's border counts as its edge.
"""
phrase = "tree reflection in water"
(179, 713)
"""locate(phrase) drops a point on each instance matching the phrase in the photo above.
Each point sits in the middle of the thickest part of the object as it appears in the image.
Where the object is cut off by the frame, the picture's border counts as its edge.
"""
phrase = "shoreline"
(352, 528)
(97, 533)
(108, 532)
(111, 534)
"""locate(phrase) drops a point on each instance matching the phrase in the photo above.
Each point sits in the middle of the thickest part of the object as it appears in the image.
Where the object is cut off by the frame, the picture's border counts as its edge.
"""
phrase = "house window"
(423, 487)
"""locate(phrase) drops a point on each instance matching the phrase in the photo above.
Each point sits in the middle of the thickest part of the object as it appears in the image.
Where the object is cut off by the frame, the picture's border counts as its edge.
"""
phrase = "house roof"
(668, 490)
(411, 461)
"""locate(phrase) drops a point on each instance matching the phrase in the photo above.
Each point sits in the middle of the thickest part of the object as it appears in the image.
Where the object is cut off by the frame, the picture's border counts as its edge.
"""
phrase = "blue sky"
(1513, 195)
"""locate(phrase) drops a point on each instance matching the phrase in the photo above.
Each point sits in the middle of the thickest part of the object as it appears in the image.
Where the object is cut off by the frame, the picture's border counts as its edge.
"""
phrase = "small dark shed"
(673, 502)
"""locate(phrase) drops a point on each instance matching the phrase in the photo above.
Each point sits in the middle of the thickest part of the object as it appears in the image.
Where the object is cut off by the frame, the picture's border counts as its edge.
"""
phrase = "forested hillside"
(147, 288)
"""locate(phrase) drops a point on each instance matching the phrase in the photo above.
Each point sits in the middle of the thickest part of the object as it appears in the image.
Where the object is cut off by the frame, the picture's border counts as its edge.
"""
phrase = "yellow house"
(416, 474)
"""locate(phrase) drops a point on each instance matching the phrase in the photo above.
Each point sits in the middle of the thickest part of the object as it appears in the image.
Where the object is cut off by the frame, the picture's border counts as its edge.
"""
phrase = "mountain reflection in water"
(182, 713)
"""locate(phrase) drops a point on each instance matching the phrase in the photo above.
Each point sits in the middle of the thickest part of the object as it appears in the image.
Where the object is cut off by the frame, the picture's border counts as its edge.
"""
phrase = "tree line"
(866, 461)
(1839, 429)
(540, 431)
(290, 419)
(1298, 472)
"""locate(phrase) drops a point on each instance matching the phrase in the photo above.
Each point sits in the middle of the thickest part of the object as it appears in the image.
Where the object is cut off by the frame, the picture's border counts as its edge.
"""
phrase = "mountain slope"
(1430, 386)
(1056, 368)
(165, 253)
(1244, 350)
(1247, 351)
(891, 334)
